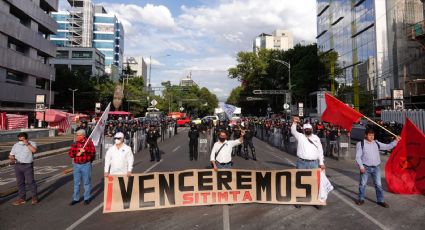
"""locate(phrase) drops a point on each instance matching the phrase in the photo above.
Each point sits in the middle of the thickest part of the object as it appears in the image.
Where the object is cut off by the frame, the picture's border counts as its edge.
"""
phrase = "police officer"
(236, 135)
(193, 142)
(85, 127)
(247, 142)
(151, 139)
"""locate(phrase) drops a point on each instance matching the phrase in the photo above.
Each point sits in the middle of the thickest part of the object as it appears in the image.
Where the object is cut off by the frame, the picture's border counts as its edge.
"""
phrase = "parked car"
(185, 121)
(214, 118)
(197, 121)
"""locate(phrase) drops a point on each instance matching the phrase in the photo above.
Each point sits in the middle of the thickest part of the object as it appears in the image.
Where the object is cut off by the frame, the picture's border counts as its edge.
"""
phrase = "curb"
(5, 163)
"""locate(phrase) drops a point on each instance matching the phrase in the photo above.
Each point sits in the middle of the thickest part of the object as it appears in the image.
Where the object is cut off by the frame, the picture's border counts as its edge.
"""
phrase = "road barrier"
(416, 116)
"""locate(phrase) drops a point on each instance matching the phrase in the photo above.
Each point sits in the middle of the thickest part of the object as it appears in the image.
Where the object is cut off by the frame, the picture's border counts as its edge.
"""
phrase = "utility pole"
(73, 99)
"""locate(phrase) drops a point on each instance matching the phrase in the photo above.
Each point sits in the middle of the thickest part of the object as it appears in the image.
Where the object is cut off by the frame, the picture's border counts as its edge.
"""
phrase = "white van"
(214, 118)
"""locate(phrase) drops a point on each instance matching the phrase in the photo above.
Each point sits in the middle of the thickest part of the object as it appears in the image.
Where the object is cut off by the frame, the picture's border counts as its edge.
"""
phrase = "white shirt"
(119, 161)
(307, 150)
(225, 154)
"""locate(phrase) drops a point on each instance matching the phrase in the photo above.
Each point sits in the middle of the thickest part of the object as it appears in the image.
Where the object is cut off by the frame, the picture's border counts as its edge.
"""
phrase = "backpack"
(362, 143)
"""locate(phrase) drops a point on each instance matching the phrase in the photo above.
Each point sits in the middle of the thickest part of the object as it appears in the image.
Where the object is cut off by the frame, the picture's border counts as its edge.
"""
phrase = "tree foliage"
(260, 70)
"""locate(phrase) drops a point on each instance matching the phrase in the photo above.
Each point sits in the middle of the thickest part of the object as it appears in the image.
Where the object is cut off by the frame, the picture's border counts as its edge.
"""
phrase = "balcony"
(417, 31)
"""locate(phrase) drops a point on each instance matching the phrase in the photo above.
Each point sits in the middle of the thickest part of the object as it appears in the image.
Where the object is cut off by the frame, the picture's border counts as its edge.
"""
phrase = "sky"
(204, 36)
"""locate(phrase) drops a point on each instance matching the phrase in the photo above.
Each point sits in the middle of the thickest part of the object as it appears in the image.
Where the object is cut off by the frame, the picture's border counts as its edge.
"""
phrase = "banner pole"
(382, 127)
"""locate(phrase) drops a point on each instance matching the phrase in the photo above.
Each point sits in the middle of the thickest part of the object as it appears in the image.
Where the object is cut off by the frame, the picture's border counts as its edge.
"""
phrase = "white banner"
(100, 126)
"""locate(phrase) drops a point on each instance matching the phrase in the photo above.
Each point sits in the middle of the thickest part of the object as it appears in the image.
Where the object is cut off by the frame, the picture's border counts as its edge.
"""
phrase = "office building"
(372, 44)
(279, 40)
(88, 25)
(25, 53)
(138, 68)
(84, 59)
(187, 81)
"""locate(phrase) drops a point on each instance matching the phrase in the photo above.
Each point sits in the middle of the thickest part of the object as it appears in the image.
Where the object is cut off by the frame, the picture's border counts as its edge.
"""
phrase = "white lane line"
(176, 148)
(85, 217)
(349, 203)
(226, 218)
(283, 158)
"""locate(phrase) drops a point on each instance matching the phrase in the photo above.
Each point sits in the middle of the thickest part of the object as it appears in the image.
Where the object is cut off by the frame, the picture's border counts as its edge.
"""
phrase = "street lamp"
(73, 104)
(50, 90)
(288, 65)
(150, 68)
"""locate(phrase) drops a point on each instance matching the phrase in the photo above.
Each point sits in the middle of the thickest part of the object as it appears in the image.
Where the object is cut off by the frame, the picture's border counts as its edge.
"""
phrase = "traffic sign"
(154, 102)
(181, 109)
(259, 91)
(398, 104)
(285, 106)
(39, 107)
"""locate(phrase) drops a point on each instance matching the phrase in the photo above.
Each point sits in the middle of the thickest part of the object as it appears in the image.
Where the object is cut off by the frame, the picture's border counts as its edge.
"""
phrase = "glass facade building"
(372, 45)
(61, 38)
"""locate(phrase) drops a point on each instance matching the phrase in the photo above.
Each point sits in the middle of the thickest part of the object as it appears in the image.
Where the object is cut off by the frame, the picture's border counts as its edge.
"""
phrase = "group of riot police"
(233, 131)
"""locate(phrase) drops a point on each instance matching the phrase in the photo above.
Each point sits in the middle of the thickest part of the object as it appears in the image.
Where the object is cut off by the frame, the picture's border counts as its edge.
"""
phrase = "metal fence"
(416, 116)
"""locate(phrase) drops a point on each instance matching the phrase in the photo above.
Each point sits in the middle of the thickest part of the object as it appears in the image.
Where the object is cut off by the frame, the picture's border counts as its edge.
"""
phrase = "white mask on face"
(118, 141)
(21, 142)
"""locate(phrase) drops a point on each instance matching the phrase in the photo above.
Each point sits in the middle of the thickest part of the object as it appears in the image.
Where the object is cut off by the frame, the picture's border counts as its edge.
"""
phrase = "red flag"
(405, 169)
(339, 113)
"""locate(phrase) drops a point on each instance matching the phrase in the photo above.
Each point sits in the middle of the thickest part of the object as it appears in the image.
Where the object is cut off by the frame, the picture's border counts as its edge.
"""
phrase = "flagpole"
(95, 127)
(382, 127)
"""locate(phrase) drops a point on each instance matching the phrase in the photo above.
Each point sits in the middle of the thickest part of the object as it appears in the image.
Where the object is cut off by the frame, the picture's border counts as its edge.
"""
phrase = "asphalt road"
(53, 211)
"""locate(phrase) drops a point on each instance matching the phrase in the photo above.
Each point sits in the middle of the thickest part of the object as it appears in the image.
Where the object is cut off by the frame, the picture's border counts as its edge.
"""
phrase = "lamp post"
(50, 90)
(73, 101)
(288, 65)
(150, 69)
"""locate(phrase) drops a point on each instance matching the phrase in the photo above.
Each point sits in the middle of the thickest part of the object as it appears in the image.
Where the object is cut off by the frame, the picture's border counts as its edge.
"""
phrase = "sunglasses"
(117, 138)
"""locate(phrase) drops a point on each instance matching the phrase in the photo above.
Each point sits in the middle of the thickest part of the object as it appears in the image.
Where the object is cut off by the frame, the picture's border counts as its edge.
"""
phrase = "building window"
(16, 46)
(15, 78)
(62, 54)
(40, 83)
(82, 54)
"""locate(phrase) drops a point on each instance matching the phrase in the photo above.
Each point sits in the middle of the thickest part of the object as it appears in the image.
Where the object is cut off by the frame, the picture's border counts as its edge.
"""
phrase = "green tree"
(234, 97)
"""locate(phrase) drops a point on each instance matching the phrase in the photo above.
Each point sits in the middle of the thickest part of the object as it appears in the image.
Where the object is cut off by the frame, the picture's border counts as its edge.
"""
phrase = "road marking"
(226, 218)
(349, 203)
(176, 148)
(283, 158)
(85, 217)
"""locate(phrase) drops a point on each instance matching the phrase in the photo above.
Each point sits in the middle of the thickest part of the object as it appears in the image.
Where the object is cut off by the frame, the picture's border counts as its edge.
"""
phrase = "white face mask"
(21, 142)
(118, 141)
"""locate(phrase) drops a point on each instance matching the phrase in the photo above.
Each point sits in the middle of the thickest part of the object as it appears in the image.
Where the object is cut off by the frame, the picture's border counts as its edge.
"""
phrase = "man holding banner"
(221, 153)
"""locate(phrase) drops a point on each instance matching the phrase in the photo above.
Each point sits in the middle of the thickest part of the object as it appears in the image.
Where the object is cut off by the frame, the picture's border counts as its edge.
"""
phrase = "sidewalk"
(44, 144)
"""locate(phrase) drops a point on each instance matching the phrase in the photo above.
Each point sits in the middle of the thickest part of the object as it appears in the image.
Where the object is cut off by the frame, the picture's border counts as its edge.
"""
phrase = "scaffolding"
(81, 23)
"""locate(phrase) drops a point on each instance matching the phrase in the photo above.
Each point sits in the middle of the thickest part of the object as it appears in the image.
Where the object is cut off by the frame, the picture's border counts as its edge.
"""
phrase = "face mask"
(21, 142)
(222, 139)
(118, 141)
(308, 132)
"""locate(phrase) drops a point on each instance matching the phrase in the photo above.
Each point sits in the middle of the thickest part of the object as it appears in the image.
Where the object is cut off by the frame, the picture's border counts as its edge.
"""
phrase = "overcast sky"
(204, 36)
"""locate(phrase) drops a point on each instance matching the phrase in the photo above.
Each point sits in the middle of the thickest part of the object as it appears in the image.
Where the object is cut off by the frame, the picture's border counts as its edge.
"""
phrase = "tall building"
(372, 45)
(108, 37)
(406, 50)
(138, 66)
(280, 40)
(187, 81)
(25, 53)
(88, 25)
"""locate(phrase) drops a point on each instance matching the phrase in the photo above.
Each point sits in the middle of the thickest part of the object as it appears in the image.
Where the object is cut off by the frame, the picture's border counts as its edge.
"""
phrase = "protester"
(368, 160)
(236, 135)
(83, 157)
(221, 153)
(119, 158)
(309, 149)
(22, 156)
(193, 135)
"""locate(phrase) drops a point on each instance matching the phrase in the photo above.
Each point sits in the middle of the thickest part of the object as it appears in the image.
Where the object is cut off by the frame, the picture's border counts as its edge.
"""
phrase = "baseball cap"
(307, 126)
(119, 135)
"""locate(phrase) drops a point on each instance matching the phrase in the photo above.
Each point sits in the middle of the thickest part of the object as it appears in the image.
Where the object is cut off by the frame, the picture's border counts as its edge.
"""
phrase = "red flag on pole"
(405, 169)
(339, 113)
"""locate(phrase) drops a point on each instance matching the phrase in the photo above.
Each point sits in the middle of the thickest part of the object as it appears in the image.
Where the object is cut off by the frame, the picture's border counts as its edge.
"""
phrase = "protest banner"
(207, 187)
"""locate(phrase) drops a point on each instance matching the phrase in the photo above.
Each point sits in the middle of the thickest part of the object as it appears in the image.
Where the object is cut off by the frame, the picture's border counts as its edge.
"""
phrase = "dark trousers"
(193, 149)
(25, 173)
(154, 151)
(246, 144)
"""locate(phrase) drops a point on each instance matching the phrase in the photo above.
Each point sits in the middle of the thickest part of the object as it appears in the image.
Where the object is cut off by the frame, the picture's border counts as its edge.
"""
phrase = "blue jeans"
(301, 164)
(82, 171)
(375, 172)
(224, 166)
